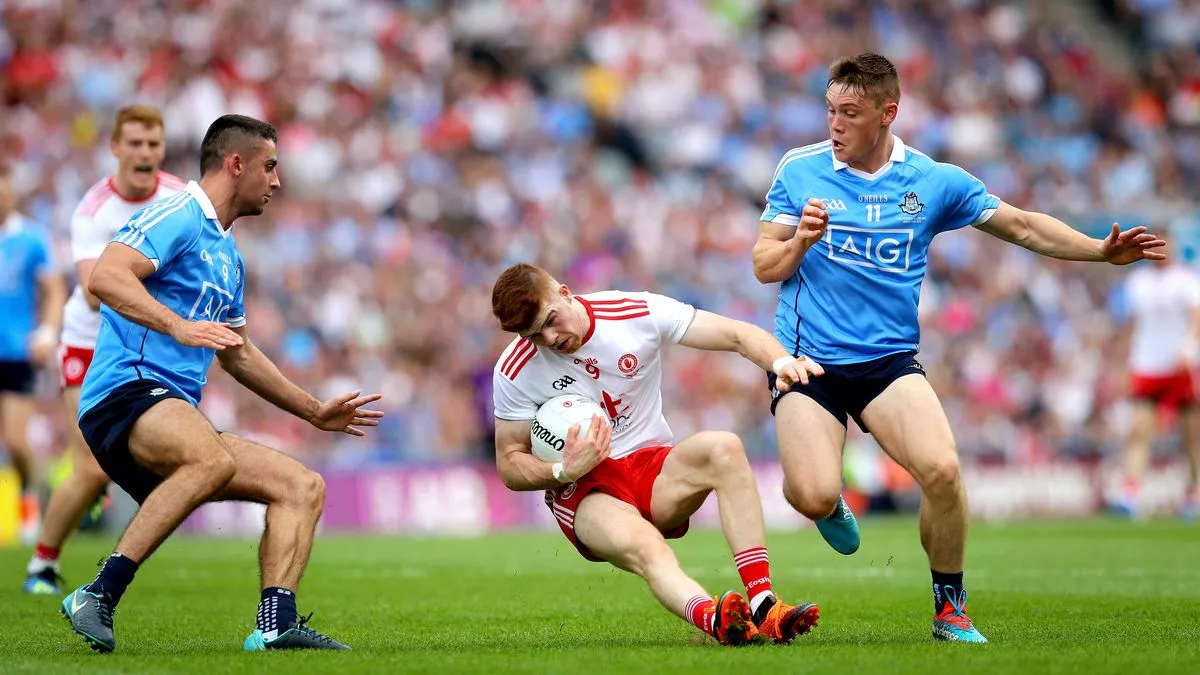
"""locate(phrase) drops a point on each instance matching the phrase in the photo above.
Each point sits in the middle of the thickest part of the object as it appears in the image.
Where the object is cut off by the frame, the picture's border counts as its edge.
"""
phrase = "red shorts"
(74, 363)
(1174, 390)
(629, 479)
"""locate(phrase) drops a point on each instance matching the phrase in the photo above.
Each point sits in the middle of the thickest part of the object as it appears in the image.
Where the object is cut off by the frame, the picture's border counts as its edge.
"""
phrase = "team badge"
(911, 204)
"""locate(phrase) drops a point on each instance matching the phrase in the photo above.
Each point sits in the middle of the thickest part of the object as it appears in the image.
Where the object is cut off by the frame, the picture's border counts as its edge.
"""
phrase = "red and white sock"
(43, 558)
(700, 612)
(755, 571)
(1130, 489)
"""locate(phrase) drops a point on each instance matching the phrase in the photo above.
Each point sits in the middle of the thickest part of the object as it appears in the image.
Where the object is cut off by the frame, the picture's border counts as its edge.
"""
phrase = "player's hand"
(813, 221)
(42, 344)
(345, 413)
(799, 370)
(1122, 248)
(210, 334)
(583, 454)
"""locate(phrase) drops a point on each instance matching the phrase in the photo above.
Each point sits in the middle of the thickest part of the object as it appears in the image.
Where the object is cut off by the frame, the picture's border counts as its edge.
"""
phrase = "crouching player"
(625, 488)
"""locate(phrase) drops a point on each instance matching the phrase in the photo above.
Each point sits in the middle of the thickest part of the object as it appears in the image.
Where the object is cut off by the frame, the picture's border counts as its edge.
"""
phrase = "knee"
(727, 455)
(813, 504)
(308, 490)
(940, 477)
(647, 556)
(219, 469)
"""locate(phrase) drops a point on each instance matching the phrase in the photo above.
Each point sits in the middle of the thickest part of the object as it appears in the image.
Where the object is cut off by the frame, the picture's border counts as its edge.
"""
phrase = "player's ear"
(234, 164)
(564, 291)
(890, 108)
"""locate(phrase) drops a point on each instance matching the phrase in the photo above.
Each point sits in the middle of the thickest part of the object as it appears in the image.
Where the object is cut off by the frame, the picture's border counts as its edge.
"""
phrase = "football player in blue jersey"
(172, 283)
(847, 230)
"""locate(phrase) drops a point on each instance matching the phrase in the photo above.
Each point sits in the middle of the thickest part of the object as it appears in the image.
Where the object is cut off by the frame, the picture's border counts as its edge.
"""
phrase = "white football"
(555, 418)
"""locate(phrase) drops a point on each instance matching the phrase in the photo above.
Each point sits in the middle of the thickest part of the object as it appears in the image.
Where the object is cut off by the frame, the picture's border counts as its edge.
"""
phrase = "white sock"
(38, 565)
(758, 600)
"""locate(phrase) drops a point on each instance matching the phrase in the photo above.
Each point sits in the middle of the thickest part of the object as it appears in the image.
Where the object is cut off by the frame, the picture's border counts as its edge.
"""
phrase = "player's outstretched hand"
(209, 334)
(581, 455)
(813, 221)
(345, 413)
(1122, 248)
(796, 371)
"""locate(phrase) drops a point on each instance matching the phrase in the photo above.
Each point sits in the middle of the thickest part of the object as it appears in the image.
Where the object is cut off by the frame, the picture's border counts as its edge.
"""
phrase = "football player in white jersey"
(138, 144)
(626, 487)
(1164, 351)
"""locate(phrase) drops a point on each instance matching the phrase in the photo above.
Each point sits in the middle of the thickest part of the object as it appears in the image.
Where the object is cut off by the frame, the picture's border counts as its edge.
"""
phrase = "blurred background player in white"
(623, 490)
(1164, 351)
(31, 301)
(139, 145)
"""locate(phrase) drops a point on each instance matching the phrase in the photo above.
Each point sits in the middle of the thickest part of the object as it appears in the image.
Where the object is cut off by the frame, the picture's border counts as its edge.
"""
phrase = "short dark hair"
(869, 75)
(229, 134)
(518, 294)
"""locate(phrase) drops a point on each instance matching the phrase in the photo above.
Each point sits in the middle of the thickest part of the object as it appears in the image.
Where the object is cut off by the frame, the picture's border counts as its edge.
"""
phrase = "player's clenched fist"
(813, 221)
(208, 334)
(581, 455)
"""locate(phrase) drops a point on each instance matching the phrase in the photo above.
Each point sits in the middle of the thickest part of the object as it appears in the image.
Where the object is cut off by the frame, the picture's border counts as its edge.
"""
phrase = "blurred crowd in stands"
(624, 144)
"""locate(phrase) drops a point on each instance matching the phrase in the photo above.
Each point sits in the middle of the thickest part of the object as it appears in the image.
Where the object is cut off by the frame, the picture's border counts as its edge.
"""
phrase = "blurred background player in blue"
(847, 229)
(31, 300)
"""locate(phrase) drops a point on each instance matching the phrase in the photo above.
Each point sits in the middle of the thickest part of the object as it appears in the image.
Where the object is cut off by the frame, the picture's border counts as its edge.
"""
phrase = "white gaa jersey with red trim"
(95, 222)
(1161, 300)
(618, 366)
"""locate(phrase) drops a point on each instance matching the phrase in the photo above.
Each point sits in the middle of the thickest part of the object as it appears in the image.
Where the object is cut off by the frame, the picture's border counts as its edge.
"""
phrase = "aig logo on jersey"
(882, 249)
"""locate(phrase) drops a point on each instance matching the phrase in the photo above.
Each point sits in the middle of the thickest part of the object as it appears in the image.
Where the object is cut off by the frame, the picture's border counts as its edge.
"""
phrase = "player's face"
(560, 326)
(139, 151)
(857, 123)
(258, 179)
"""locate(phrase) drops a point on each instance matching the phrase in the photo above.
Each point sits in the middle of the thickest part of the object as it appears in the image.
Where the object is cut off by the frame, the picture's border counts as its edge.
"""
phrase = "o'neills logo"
(542, 433)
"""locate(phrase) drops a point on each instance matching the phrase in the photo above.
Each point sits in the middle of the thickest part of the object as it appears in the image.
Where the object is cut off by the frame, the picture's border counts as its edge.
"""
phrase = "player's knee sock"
(114, 577)
(1130, 488)
(276, 611)
(700, 611)
(755, 570)
(943, 581)
(44, 558)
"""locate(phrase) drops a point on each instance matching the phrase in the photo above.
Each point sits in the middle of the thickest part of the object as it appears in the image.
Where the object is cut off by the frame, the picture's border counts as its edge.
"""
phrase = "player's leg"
(1190, 432)
(716, 461)
(614, 531)
(811, 438)
(172, 462)
(295, 497)
(67, 506)
(908, 422)
(1136, 457)
(16, 408)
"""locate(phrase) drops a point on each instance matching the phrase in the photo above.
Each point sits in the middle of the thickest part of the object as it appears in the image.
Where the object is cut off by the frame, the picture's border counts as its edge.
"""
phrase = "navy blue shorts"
(106, 427)
(845, 390)
(17, 377)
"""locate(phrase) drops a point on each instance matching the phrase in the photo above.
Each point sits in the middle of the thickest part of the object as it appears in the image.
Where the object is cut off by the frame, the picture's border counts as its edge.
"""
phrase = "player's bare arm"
(117, 281)
(713, 332)
(83, 272)
(52, 295)
(250, 367)
(780, 248)
(521, 471)
(1052, 237)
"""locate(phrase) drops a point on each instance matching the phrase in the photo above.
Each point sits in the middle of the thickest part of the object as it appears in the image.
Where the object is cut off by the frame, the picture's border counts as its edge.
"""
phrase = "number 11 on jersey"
(874, 212)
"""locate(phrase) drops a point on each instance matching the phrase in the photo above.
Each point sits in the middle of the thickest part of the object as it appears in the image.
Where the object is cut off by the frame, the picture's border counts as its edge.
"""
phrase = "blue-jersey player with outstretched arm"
(172, 285)
(847, 230)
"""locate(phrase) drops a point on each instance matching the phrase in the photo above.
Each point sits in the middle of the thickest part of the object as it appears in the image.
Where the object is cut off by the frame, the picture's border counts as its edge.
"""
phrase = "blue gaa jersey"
(198, 274)
(24, 260)
(855, 295)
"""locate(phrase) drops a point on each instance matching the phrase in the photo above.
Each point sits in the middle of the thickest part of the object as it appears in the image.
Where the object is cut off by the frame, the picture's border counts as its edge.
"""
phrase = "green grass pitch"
(1097, 596)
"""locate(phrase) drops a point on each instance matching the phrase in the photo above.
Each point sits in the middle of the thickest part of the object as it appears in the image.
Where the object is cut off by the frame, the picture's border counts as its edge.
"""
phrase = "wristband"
(45, 334)
(560, 474)
(781, 362)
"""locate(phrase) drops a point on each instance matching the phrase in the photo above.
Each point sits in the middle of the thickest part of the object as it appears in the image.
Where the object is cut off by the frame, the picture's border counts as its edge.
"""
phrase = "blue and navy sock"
(276, 611)
(114, 577)
(941, 580)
